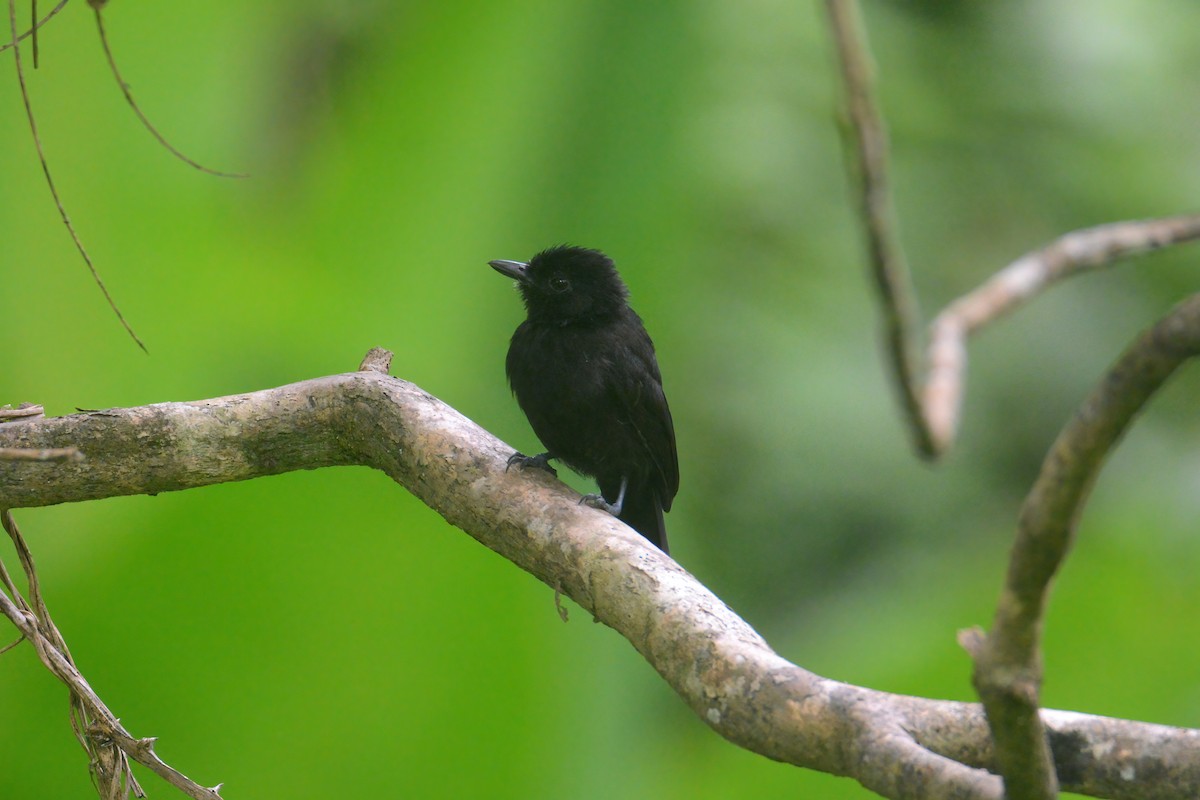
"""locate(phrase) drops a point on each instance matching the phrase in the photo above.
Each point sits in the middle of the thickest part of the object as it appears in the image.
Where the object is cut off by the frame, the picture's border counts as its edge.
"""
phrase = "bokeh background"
(323, 633)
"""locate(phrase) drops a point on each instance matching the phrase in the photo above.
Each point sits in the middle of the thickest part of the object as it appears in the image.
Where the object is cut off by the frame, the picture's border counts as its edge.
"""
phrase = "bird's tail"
(643, 512)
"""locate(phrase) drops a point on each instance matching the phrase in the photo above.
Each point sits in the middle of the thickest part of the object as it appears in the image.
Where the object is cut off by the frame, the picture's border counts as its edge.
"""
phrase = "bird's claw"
(540, 461)
(598, 501)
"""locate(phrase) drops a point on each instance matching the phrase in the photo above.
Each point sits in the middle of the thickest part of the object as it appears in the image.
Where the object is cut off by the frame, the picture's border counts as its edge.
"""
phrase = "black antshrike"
(583, 369)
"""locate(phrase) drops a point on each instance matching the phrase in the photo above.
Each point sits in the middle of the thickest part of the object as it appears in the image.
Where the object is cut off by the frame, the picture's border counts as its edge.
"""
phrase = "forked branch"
(931, 393)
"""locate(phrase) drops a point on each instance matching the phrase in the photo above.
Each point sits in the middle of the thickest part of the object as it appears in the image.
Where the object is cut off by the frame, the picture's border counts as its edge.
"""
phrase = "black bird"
(583, 369)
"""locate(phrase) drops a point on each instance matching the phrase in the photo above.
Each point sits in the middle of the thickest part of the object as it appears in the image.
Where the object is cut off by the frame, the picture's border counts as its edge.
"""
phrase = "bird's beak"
(513, 269)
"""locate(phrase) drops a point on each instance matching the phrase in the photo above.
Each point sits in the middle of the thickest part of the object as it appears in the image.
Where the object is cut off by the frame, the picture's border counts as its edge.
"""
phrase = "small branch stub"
(378, 360)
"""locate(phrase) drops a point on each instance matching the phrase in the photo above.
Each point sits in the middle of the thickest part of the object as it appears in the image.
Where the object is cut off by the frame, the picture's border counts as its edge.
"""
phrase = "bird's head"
(566, 284)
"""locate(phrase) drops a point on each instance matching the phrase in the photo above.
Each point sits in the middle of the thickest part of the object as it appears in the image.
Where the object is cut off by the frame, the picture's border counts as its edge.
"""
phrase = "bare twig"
(22, 411)
(33, 30)
(1011, 287)
(867, 138)
(106, 730)
(902, 747)
(11, 588)
(932, 404)
(108, 744)
(109, 768)
(1008, 668)
(62, 211)
(112, 64)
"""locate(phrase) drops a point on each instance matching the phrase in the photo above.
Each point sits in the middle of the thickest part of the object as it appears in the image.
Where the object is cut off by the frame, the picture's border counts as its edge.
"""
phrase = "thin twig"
(62, 211)
(108, 744)
(33, 29)
(1008, 663)
(1017, 283)
(22, 411)
(11, 588)
(108, 767)
(11, 645)
(112, 64)
(866, 137)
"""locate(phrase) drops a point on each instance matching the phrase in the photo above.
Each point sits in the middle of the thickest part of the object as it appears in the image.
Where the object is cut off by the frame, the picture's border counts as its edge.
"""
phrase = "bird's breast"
(556, 364)
(559, 378)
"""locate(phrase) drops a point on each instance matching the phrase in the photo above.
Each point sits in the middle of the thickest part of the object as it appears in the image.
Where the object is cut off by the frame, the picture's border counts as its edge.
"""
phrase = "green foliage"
(325, 633)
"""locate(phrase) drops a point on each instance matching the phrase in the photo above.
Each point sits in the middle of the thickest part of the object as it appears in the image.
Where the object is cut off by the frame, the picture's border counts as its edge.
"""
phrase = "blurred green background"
(324, 633)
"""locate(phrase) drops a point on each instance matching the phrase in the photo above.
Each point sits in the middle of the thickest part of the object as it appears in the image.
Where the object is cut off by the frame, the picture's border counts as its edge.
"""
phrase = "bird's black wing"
(639, 394)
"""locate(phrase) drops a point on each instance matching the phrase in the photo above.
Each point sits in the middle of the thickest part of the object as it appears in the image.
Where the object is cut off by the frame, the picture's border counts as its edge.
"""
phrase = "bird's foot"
(540, 461)
(598, 501)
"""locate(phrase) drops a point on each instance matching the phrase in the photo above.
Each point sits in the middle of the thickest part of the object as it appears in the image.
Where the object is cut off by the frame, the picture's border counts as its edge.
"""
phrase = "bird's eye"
(559, 284)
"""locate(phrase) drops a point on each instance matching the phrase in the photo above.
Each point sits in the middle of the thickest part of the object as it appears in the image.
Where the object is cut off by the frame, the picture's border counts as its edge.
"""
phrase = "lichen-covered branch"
(900, 747)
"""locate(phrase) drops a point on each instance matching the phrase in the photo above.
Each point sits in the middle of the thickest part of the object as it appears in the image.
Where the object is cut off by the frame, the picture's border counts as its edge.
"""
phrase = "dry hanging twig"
(33, 30)
(98, 6)
(62, 212)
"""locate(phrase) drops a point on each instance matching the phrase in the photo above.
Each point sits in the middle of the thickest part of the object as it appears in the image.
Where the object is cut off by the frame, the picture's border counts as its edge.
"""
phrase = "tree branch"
(1016, 284)
(866, 140)
(900, 747)
(1008, 663)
